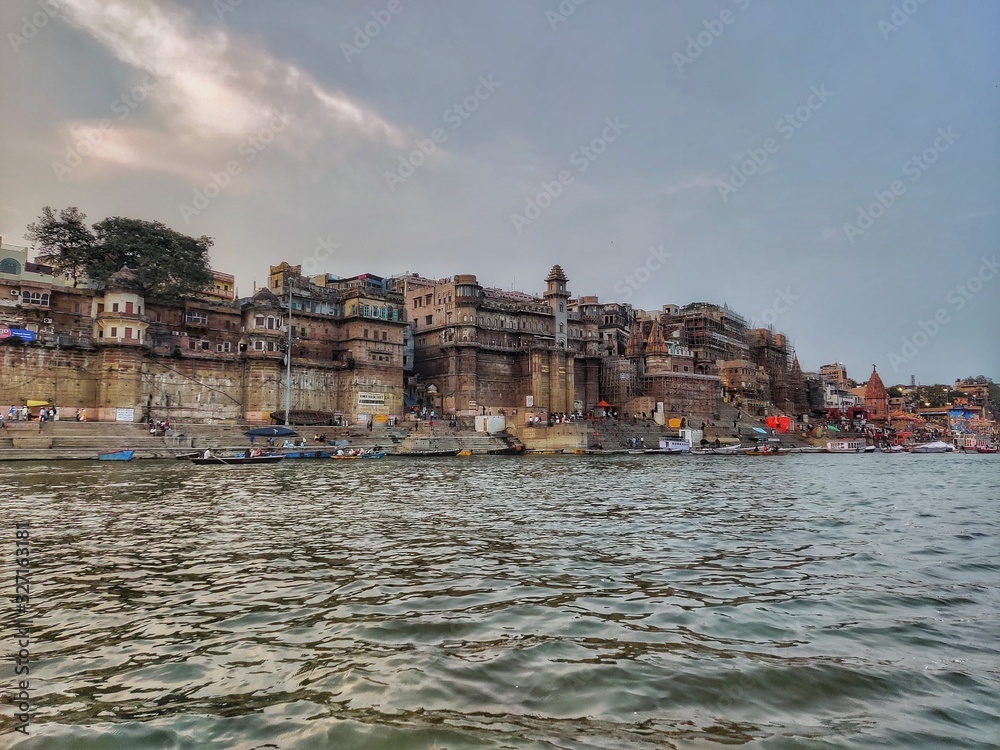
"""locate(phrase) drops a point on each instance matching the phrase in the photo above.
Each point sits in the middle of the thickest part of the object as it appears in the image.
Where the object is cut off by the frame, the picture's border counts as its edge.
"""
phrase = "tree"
(63, 241)
(170, 265)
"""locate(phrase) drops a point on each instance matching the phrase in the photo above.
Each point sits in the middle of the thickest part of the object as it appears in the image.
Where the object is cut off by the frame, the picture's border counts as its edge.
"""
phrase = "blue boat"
(115, 455)
(308, 454)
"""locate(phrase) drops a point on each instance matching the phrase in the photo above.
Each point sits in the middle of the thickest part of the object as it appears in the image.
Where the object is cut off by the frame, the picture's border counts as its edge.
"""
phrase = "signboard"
(529, 401)
(17, 333)
(371, 399)
(124, 415)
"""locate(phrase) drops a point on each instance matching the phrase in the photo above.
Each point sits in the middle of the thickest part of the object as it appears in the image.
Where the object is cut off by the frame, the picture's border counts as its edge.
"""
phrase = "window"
(198, 318)
(429, 319)
(114, 307)
(561, 307)
(428, 298)
(130, 307)
(128, 333)
(224, 347)
(258, 321)
(258, 346)
(9, 265)
(271, 323)
(385, 335)
(205, 345)
(271, 346)
(366, 333)
(35, 298)
(114, 332)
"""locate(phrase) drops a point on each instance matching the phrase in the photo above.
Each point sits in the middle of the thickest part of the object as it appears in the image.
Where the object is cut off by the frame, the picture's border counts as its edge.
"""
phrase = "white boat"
(894, 449)
(858, 445)
(670, 445)
(937, 446)
(724, 450)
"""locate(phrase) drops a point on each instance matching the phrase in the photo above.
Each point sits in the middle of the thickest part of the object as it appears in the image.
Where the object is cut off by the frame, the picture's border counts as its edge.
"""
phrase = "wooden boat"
(188, 456)
(237, 460)
(363, 455)
(115, 455)
(423, 454)
(723, 450)
(308, 454)
(765, 452)
(986, 449)
(664, 451)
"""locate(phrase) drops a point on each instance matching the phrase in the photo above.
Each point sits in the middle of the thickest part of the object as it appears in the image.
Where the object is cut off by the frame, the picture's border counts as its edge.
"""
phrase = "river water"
(805, 601)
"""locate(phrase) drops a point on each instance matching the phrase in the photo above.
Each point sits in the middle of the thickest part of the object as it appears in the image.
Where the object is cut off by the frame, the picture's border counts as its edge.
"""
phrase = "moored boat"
(125, 455)
(987, 449)
(938, 446)
(855, 445)
(308, 454)
(356, 456)
(237, 460)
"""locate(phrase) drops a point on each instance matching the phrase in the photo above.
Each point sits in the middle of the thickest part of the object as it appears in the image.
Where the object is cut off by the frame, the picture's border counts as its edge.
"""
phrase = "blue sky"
(745, 138)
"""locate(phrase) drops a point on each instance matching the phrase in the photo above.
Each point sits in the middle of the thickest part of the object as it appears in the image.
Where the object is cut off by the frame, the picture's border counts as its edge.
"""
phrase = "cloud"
(209, 89)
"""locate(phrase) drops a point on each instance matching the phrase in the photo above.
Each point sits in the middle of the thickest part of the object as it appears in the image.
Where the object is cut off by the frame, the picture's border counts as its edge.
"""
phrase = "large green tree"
(63, 240)
(170, 265)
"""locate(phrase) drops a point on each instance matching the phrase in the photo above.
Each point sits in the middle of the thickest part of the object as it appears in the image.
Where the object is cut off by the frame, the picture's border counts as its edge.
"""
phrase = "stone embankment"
(84, 440)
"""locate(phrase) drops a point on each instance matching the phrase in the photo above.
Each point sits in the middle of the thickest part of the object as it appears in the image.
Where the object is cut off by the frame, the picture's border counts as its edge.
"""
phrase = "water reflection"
(538, 602)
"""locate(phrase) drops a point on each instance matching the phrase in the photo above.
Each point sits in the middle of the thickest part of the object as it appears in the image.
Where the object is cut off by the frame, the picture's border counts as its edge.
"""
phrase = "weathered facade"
(486, 349)
(118, 356)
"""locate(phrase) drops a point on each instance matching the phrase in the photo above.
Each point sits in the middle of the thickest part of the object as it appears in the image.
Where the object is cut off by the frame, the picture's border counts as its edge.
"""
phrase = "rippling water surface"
(808, 601)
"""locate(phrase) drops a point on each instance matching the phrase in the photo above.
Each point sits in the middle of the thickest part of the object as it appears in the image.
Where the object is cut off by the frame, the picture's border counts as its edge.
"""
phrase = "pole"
(288, 359)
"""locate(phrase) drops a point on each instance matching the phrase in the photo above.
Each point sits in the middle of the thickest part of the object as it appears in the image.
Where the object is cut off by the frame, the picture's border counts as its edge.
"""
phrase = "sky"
(830, 169)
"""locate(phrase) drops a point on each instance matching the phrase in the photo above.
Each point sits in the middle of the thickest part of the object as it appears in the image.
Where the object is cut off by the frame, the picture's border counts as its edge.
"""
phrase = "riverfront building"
(484, 349)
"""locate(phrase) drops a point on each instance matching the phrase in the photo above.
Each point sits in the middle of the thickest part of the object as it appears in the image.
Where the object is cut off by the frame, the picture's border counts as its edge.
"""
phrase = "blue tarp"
(408, 401)
(760, 430)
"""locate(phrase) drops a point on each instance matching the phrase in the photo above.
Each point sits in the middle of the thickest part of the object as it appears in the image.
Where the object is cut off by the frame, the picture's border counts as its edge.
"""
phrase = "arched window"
(9, 265)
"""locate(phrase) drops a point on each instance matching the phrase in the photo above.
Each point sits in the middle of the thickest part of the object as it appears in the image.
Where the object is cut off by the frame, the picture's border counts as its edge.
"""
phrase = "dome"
(125, 280)
(266, 297)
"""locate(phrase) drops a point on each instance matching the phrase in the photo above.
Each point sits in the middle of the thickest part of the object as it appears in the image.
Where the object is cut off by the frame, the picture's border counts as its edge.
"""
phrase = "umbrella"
(761, 431)
(270, 432)
(602, 403)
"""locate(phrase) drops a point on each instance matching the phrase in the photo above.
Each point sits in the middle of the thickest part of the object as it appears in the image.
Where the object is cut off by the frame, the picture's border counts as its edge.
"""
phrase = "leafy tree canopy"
(63, 241)
(170, 265)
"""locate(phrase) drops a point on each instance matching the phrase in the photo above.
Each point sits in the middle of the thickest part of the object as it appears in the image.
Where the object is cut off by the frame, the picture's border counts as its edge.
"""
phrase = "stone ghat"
(57, 441)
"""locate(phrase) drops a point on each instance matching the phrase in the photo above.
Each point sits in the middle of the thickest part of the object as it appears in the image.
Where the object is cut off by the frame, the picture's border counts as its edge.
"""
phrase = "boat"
(115, 455)
(893, 449)
(665, 451)
(722, 450)
(937, 446)
(987, 449)
(423, 454)
(237, 460)
(363, 455)
(854, 445)
(766, 451)
(188, 456)
(308, 454)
